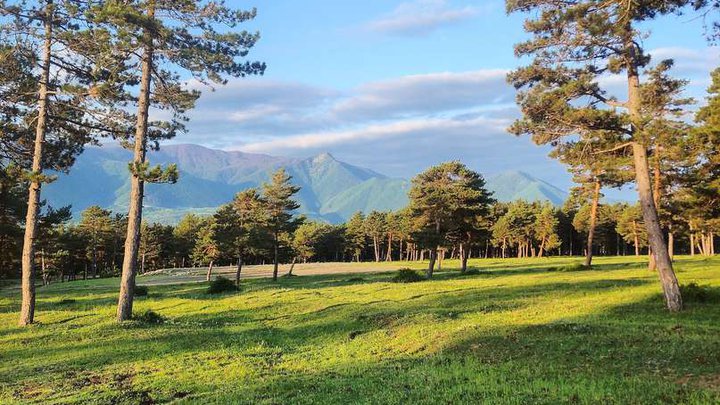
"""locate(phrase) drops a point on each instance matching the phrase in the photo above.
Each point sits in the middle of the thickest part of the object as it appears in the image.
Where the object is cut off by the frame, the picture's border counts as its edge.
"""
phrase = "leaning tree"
(574, 45)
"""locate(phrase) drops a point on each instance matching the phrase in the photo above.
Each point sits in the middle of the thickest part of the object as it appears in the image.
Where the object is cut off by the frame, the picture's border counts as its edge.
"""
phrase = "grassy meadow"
(520, 331)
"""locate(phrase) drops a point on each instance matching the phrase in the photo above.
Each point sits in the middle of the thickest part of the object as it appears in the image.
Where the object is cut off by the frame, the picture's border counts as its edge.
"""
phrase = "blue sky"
(398, 85)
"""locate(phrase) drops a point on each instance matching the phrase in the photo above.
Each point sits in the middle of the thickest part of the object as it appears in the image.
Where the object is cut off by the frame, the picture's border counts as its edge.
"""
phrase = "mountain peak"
(324, 157)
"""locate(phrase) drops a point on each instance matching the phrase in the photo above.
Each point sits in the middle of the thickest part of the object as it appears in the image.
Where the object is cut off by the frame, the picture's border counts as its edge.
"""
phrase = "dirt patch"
(708, 382)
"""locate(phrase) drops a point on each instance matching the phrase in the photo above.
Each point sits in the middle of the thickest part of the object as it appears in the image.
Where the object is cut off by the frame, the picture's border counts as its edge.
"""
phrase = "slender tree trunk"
(464, 258)
(132, 240)
(388, 256)
(276, 257)
(431, 266)
(671, 245)
(292, 266)
(27, 307)
(593, 222)
(239, 269)
(209, 272)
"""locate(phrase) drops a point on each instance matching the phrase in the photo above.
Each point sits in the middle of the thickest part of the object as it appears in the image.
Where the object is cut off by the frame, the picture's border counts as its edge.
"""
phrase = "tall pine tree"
(165, 39)
(573, 43)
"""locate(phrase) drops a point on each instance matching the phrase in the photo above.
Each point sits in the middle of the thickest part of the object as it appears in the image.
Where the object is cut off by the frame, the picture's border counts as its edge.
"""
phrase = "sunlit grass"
(518, 332)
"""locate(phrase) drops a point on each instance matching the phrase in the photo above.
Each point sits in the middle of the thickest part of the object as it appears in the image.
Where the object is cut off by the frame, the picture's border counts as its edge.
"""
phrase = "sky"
(397, 86)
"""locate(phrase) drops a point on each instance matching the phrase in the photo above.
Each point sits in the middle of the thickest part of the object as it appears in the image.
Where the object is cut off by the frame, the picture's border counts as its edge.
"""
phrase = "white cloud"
(427, 93)
(691, 63)
(420, 17)
(439, 126)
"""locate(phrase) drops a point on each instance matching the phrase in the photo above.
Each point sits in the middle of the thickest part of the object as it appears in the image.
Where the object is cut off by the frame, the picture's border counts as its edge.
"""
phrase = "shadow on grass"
(624, 354)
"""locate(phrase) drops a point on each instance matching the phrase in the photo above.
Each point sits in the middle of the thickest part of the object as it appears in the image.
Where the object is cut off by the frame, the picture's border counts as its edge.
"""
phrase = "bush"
(221, 285)
(571, 267)
(141, 291)
(407, 276)
(699, 293)
(471, 272)
(149, 317)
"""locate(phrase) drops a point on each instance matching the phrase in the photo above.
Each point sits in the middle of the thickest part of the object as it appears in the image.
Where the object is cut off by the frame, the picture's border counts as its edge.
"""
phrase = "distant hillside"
(331, 190)
(516, 185)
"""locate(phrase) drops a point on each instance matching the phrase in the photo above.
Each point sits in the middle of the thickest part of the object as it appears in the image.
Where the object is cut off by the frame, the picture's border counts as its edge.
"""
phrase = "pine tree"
(96, 225)
(573, 44)
(239, 225)
(278, 206)
(446, 199)
(355, 236)
(699, 192)
(630, 226)
(594, 168)
(170, 38)
(206, 249)
(74, 80)
(375, 226)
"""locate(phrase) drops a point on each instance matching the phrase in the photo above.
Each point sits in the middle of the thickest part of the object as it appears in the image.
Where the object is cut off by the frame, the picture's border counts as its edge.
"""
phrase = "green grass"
(513, 333)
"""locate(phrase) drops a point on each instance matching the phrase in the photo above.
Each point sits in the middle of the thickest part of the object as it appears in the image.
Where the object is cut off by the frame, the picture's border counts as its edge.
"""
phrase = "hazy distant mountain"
(516, 185)
(331, 190)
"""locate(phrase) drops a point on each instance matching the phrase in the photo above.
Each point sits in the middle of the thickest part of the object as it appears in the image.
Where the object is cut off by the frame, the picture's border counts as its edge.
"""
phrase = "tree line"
(450, 216)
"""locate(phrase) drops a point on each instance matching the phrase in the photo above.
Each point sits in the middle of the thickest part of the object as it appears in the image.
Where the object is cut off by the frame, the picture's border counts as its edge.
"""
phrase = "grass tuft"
(695, 293)
(149, 317)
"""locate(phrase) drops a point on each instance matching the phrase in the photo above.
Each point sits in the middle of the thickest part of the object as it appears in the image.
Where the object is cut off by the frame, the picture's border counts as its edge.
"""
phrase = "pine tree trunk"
(464, 258)
(27, 307)
(636, 239)
(669, 282)
(132, 240)
(239, 269)
(209, 272)
(388, 256)
(671, 245)
(593, 222)
(431, 265)
(276, 257)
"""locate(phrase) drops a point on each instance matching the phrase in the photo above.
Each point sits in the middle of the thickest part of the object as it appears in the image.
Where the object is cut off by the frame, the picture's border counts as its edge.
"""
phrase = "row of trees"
(259, 226)
(73, 72)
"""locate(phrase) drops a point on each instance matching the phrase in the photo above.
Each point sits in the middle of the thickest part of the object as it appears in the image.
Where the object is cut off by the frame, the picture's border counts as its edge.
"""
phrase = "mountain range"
(331, 190)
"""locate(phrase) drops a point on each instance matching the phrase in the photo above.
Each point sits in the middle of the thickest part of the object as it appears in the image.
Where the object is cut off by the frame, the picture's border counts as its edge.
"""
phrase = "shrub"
(471, 272)
(141, 291)
(407, 276)
(698, 293)
(149, 317)
(571, 267)
(221, 285)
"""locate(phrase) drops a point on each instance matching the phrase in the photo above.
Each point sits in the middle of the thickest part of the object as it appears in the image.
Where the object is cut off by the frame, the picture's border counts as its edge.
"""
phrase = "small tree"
(375, 226)
(97, 227)
(545, 225)
(206, 248)
(278, 206)
(630, 226)
(355, 236)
